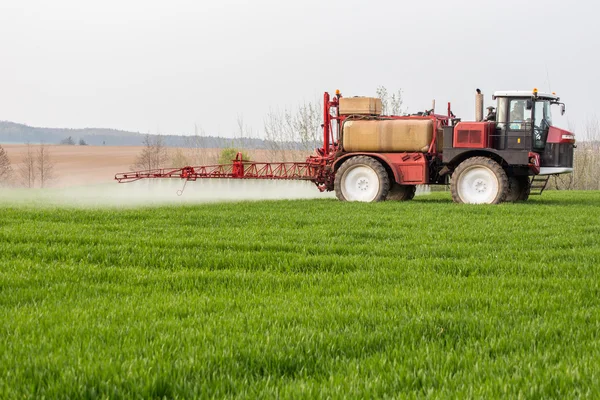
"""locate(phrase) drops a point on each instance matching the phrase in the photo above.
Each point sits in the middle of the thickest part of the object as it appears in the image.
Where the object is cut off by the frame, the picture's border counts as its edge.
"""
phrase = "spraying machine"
(367, 156)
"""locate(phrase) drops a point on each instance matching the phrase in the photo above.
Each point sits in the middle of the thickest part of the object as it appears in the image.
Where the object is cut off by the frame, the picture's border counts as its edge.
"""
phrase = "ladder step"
(538, 185)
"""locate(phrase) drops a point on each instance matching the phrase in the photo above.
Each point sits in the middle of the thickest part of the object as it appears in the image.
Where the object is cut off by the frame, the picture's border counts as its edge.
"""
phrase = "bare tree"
(396, 103)
(154, 154)
(27, 169)
(382, 93)
(242, 138)
(390, 104)
(195, 145)
(5, 167)
(307, 125)
(44, 165)
(239, 135)
(587, 157)
(276, 125)
(293, 129)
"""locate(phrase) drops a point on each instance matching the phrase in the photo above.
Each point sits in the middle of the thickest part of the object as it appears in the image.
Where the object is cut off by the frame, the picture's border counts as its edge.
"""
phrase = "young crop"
(302, 299)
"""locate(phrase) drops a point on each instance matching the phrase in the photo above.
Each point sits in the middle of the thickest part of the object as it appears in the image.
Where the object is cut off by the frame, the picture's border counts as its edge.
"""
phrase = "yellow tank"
(360, 106)
(399, 135)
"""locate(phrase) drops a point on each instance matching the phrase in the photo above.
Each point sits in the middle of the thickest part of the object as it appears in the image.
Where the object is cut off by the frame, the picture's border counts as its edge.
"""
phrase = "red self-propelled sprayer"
(367, 156)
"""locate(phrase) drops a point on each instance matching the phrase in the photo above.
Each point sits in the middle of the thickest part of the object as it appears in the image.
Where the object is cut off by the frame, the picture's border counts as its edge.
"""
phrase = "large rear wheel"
(479, 180)
(361, 178)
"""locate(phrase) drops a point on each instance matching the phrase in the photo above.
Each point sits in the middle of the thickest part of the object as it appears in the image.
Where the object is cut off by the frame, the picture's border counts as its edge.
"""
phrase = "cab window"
(519, 117)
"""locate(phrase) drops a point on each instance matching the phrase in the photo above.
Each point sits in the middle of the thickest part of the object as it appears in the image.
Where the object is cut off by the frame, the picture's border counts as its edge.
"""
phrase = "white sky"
(163, 66)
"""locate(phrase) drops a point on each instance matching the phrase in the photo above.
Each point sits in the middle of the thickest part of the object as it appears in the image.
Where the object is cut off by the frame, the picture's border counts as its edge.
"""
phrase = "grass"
(303, 299)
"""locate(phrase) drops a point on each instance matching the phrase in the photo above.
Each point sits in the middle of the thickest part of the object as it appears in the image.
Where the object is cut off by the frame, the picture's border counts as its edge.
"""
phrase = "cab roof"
(526, 94)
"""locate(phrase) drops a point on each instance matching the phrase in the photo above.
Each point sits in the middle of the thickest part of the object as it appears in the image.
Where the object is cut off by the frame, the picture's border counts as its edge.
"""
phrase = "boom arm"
(311, 170)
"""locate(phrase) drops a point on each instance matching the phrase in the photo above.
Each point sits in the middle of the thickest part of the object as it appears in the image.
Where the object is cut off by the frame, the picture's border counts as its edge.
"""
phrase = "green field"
(303, 299)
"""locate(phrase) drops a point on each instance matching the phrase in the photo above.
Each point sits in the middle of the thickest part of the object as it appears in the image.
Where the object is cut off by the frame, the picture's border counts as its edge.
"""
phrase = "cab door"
(519, 126)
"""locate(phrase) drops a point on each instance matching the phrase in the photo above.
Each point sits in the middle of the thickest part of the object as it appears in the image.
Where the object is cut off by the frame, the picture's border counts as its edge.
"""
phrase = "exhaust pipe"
(479, 106)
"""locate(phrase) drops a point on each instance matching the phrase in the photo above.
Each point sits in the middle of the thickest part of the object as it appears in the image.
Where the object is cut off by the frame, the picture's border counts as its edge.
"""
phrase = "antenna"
(548, 79)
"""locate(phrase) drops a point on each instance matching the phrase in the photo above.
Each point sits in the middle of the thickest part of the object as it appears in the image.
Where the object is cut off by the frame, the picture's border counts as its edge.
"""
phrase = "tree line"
(69, 141)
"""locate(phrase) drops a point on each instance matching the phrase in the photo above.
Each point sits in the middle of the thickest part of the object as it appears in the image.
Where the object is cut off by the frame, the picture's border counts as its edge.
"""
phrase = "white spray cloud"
(163, 192)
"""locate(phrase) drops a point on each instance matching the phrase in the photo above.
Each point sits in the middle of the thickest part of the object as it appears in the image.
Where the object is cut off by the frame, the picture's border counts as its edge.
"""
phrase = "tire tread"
(485, 162)
(384, 179)
(401, 192)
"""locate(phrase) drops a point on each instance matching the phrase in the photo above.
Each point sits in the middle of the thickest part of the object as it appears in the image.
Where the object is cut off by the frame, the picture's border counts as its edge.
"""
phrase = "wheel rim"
(360, 183)
(478, 185)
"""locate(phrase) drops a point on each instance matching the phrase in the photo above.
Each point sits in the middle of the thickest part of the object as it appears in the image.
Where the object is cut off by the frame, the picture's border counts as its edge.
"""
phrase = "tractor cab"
(524, 122)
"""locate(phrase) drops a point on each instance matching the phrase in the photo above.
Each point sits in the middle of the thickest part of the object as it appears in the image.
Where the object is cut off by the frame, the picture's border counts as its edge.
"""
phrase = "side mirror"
(529, 105)
(562, 109)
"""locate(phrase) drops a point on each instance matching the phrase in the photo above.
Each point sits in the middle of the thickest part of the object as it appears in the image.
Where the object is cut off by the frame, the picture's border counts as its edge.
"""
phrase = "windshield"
(542, 122)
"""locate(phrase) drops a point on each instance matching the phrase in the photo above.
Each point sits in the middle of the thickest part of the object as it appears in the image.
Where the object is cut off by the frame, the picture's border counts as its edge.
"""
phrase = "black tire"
(524, 196)
(489, 169)
(518, 188)
(340, 184)
(401, 192)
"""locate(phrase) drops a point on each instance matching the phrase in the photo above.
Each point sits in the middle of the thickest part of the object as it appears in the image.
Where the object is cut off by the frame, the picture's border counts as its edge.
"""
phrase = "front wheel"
(361, 178)
(479, 180)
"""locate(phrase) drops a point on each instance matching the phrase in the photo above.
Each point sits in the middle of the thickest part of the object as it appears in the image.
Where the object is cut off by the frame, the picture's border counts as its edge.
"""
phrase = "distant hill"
(11, 132)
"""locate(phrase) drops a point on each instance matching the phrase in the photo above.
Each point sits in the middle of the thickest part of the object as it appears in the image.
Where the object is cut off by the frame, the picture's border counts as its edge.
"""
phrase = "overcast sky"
(163, 66)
